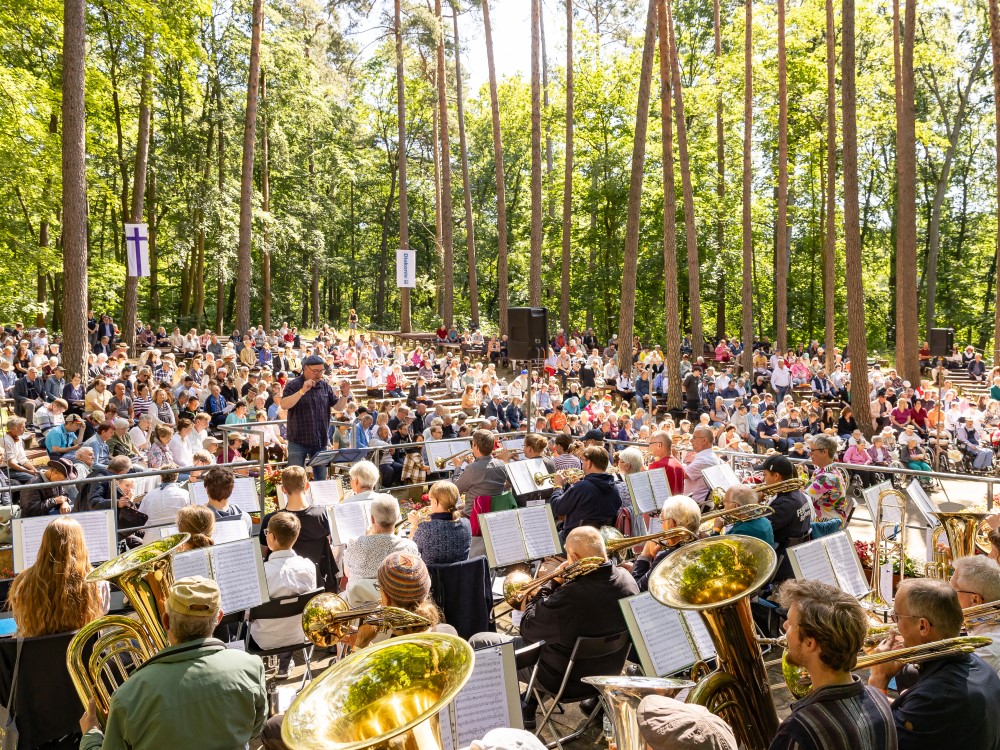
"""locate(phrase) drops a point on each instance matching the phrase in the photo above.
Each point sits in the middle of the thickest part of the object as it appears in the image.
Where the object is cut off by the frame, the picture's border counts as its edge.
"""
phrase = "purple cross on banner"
(137, 247)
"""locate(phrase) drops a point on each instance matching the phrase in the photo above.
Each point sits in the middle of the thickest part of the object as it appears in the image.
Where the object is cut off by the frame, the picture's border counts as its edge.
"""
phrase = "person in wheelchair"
(913, 453)
(967, 437)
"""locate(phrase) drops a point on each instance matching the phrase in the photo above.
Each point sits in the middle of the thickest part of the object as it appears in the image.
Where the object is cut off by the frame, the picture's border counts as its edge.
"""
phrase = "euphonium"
(962, 529)
(144, 575)
(717, 577)
(622, 696)
(328, 619)
(617, 543)
(765, 491)
(519, 585)
(384, 697)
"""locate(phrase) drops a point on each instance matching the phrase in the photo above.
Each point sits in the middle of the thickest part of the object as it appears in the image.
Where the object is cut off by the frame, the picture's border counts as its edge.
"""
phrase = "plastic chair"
(586, 649)
(277, 609)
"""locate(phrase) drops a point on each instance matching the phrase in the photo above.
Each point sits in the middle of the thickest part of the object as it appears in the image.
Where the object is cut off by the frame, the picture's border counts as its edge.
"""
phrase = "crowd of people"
(379, 406)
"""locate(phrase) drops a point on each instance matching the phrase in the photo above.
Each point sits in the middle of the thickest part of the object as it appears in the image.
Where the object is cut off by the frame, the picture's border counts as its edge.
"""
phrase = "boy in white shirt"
(287, 575)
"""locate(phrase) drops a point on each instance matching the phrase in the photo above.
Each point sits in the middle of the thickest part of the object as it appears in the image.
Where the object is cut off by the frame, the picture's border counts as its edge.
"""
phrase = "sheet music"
(641, 489)
(348, 521)
(871, 498)
(655, 524)
(196, 562)
(699, 633)
(166, 531)
(198, 493)
(813, 562)
(662, 635)
(513, 444)
(483, 704)
(538, 528)
(230, 530)
(660, 486)
(98, 531)
(447, 738)
(521, 477)
(505, 537)
(846, 565)
(923, 503)
(239, 571)
(326, 492)
(721, 476)
(245, 495)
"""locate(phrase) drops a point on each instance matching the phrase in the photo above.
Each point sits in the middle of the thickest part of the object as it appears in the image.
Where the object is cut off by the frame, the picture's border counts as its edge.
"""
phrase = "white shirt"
(14, 450)
(195, 441)
(781, 377)
(287, 575)
(162, 503)
(180, 451)
(139, 440)
(695, 485)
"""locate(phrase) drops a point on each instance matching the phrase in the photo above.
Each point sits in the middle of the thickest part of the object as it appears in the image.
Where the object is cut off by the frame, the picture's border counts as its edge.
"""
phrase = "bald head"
(585, 541)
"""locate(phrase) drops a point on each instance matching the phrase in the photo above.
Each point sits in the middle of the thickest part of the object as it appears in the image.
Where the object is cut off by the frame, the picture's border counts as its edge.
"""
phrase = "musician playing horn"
(194, 693)
(825, 630)
(738, 496)
(679, 511)
(791, 517)
(977, 581)
(950, 701)
(592, 501)
(561, 612)
(486, 475)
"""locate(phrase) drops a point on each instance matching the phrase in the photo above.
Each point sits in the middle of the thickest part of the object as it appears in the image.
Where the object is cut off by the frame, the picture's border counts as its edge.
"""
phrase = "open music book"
(98, 531)
(870, 495)
(522, 476)
(513, 444)
(348, 520)
(445, 449)
(488, 700)
(667, 640)
(923, 503)
(244, 497)
(237, 567)
(519, 535)
(720, 477)
(830, 559)
(649, 490)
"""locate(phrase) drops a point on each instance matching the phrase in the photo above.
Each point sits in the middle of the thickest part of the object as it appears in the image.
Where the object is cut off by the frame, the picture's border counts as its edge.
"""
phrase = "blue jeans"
(299, 454)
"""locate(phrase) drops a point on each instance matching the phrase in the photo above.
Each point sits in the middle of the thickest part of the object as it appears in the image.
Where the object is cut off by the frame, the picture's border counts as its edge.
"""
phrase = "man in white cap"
(195, 693)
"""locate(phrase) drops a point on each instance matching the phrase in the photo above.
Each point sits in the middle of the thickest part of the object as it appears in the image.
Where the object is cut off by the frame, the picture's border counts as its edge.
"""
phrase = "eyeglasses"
(895, 617)
(970, 593)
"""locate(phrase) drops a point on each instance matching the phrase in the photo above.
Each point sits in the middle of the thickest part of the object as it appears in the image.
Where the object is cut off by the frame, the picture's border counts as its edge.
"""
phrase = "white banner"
(137, 249)
(406, 268)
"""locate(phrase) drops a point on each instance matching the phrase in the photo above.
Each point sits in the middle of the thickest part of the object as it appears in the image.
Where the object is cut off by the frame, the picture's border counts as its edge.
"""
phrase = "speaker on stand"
(527, 341)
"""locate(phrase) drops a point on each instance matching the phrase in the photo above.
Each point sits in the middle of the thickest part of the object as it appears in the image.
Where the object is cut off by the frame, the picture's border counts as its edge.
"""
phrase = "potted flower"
(866, 554)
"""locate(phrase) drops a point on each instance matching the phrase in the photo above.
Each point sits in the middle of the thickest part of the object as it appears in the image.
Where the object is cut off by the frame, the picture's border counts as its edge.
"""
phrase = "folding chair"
(278, 609)
(586, 649)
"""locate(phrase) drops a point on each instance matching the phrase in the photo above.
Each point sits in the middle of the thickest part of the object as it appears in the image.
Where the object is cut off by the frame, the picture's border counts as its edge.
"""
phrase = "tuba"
(328, 619)
(122, 643)
(622, 695)
(717, 577)
(384, 697)
(962, 529)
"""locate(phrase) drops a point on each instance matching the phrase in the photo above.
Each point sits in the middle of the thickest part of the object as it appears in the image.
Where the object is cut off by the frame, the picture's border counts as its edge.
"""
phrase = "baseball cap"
(594, 435)
(779, 465)
(194, 596)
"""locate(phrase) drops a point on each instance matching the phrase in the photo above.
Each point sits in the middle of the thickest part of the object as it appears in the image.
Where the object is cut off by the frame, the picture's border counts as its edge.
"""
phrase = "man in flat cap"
(308, 400)
(195, 693)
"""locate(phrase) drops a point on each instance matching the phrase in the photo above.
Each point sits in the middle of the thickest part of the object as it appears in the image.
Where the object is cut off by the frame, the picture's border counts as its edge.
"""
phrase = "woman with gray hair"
(739, 496)
(827, 487)
(120, 443)
(630, 461)
(364, 554)
(680, 511)
(364, 477)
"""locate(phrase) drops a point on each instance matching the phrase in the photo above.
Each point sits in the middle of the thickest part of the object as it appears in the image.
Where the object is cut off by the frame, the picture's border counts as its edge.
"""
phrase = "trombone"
(617, 543)
(519, 586)
(795, 484)
(443, 461)
(568, 475)
(739, 515)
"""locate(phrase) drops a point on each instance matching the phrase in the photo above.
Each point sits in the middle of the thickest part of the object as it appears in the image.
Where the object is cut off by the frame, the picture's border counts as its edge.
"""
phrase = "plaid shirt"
(309, 419)
(414, 470)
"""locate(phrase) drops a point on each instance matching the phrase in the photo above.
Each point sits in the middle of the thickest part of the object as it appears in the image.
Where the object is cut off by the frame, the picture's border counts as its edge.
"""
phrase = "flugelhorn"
(443, 461)
(328, 619)
(717, 577)
(388, 695)
(617, 543)
(568, 475)
(519, 586)
(765, 491)
(622, 696)
(145, 575)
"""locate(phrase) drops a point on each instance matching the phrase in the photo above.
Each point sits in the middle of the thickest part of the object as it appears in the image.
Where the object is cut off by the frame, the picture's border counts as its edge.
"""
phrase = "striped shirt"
(836, 717)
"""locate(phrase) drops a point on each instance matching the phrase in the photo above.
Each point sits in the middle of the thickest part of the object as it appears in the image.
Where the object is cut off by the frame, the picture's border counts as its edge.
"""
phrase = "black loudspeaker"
(941, 341)
(528, 332)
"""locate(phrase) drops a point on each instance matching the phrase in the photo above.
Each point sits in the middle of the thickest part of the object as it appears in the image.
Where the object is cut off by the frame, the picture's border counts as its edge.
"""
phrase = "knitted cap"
(403, 578)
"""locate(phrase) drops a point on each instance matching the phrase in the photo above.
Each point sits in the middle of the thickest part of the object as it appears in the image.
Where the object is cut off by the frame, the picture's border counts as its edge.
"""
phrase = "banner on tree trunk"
(137, 249)
(406, 268)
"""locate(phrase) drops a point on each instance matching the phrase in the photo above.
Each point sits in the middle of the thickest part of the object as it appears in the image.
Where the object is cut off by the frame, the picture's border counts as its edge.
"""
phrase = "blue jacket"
(594, 499)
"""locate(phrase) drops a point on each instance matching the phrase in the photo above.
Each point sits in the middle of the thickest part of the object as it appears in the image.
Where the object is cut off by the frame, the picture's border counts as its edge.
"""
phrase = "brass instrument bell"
(328, 619)
(622, 696)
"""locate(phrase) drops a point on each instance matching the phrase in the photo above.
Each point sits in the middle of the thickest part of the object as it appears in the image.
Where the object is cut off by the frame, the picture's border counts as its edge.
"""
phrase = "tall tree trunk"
(470, 235)
(672, 338)
(830, 238)
(626, 319)
(438, 222)
(907, 359)
(130, 314)
(244, 261)
(154, 256)
(747, 301)
(535, 267)
(852, 230)
(781, 233)
(446, 212)
(502, 272)
(548, 125)
(567, 217)
(405, 324)
(265, 191)
(74, 188)
(720, 184)
(690, 226)
(995, 47)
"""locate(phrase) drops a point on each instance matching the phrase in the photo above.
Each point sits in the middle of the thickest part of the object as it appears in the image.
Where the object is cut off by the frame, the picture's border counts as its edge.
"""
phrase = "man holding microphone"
(308, 400)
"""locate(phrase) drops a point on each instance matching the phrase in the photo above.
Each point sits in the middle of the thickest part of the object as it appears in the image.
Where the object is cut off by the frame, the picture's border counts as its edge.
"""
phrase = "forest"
(555, 206)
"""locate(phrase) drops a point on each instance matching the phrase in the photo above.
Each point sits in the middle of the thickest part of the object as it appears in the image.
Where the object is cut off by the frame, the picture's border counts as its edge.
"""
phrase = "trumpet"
(568, 475)
(617, 543)
(442, 461)
(519, 586)
(328, 619)
(423, 514)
